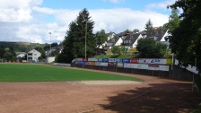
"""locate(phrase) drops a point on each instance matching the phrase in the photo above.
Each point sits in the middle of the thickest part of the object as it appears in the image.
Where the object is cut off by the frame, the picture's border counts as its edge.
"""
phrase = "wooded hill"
(22, 46)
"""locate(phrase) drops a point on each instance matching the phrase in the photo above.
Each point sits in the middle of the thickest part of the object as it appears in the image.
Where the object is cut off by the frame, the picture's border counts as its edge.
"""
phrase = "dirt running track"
(153, 95)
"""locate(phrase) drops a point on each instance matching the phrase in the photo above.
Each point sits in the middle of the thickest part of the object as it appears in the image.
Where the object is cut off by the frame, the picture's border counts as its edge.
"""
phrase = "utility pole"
(50, 44)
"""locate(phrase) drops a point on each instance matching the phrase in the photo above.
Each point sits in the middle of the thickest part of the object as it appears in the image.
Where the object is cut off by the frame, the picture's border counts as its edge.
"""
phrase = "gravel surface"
(153, 95)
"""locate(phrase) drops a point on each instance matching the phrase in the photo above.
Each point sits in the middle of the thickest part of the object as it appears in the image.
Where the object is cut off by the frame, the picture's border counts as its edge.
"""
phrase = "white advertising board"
(164, 68)
(120, 65)
(78, 59)
(152, 61)
(93, 59)
(128, 65)
(103, 64)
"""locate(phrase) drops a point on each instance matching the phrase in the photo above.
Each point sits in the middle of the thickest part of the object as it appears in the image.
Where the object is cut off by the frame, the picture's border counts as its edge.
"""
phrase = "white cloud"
(161, 5)
(118, 20)
(26, 21)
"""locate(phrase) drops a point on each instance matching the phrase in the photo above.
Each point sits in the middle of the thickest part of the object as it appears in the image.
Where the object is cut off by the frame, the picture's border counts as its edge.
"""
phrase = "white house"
(131, 40)
(33, 55)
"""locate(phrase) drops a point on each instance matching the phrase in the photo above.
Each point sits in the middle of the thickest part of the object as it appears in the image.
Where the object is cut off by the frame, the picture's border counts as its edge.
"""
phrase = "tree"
(101, 37)
(9, 54)
(174, 20)
(116, 50)
(74, 42)
(39, 49)
(149, 48)
(124, 50)
(149, 28)
(136, 30)
(185, 40)
(2, 51)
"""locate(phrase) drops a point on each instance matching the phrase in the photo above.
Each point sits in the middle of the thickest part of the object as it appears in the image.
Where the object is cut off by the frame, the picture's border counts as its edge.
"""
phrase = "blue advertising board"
(126, 60)
(105, 59)
(84, 63)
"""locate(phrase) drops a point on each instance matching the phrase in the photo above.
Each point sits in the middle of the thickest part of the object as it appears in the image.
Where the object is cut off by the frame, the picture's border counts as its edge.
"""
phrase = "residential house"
(131, 40)
(158, 34)
(115, 41)
(21, 55)
(33, 55)
(161, 35)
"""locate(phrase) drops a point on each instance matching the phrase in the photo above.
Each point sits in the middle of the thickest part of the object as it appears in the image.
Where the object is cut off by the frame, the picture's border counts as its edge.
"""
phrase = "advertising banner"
(164, 68)
(85, 59)
(152, 61)
(111, 60)
(120, 65)
(115, 60)
(103, 64)
(100, 59)
(111, 64)
(134, 60)
(93, 59)
(93, 63)
(128, 65)
(135, 66)
(126, 60)
(97, 63)
(89, 63)
(169, 61)
(153, 67)
(144, 66)
(105, 59)
(84, 63)
(78, 59)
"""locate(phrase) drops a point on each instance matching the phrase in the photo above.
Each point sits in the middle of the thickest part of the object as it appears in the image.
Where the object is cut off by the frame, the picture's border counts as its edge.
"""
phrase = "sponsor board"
(78, 59)
(144, 66)
(93, 59)
(169, 61)
(152, 61)
(115, 60)
(85, 59)
(147, 66)
(93, 63)
(100, 59)
(89, 63)
(126, 60)
(128, 65)
(111, 64)
(84, 63)
(120, 65)
(134, 60)
(105, 60)
(97, 63)
(164, 68)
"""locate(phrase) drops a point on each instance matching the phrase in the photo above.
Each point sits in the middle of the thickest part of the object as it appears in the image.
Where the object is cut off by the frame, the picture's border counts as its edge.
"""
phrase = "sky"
(33, 20)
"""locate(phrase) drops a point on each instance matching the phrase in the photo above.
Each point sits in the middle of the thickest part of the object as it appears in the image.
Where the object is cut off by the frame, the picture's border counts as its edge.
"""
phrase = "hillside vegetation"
(21, 46)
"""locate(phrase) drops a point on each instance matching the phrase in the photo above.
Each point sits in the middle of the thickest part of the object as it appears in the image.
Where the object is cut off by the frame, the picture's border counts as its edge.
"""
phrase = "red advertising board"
(111, 64)
(134, 60)
(85, 59)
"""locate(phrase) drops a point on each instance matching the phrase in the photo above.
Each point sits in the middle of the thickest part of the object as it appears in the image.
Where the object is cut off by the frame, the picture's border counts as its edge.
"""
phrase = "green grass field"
(42, 73)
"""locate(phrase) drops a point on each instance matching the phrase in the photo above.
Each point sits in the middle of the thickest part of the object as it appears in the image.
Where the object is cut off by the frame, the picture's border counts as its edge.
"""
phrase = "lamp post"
(50, 44)
(85, 41)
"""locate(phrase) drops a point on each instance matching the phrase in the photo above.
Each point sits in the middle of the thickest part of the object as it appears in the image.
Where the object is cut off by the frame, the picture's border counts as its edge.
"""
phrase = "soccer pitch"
(43, 73)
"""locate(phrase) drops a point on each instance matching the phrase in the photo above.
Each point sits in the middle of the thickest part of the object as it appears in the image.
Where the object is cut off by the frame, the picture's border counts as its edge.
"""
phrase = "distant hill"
(21, 46)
